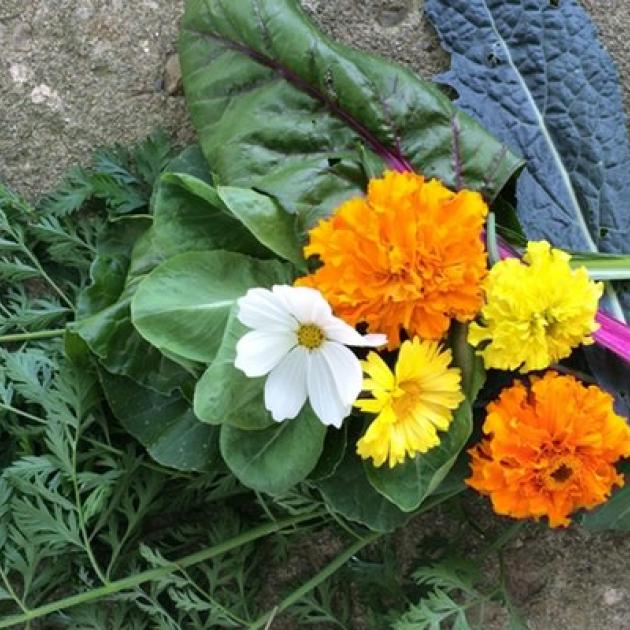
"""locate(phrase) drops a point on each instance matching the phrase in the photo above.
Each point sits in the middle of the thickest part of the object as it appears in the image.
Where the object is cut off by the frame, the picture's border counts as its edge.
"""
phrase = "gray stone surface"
(80, 73)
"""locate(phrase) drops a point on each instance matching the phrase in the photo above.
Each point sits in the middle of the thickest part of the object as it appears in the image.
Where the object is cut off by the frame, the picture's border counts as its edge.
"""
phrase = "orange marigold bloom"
(550, 450)
(408, 256)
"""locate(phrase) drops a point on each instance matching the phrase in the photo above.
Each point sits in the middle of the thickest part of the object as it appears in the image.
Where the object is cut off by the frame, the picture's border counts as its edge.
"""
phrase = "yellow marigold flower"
(537, 310)
(550, 450)
(412, 402)
(409, 255)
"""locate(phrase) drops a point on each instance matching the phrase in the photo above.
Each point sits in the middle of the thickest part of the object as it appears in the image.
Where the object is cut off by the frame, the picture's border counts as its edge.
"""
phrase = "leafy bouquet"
(351, 206)
(324, 296)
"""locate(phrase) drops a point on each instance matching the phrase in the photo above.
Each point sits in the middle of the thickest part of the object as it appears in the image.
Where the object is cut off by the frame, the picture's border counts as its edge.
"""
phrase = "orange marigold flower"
(550, 450)
(408, 256)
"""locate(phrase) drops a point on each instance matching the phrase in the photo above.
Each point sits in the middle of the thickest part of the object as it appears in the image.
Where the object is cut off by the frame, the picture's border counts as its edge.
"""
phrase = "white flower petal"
(374, 340)
(322, 392)
(337, 330)
(307, 305)
(262, 310)
(285, 389)
(346, 371)
(258, 352)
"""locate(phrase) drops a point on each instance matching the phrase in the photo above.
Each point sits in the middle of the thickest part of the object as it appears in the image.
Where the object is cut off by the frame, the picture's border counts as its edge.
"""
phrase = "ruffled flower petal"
(549, 449)
(407, 256)
(537, 310)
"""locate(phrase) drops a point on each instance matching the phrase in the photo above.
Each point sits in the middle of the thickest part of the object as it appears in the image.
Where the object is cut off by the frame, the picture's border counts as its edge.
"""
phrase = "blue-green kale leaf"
(534, 73)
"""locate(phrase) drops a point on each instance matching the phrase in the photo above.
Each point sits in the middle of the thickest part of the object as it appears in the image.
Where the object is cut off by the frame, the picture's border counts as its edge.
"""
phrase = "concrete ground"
(79, 73)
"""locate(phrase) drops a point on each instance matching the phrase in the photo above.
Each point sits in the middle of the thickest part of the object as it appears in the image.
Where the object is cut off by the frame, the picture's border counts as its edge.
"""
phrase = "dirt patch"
(76, 74)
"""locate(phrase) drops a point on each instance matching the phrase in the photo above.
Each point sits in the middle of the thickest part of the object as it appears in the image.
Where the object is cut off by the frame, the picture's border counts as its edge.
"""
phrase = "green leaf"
(466, 359)
(224, 394)
(312, 188)
(152, 156)
(615, 513)
(269, 223)
(104, 322)
(334, 450)
(275, 459)
(183, 305)
(409, 484)
(272, 98)
(190, 216)
(108, 273)
(119, 178)
(110, 335)
(349, 493)
(164, 425)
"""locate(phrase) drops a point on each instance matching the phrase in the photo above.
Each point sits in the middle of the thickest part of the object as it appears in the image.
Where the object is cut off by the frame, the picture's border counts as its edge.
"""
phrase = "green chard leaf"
(334, 451)
(267, 221)
(281, 108)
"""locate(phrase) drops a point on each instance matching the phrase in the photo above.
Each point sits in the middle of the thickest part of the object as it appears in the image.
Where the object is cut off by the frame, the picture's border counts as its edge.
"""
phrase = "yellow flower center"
(405, 398)
(310, 336)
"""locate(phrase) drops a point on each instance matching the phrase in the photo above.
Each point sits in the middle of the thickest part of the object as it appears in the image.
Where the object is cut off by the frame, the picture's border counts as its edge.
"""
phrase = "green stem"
(208, 597)
(11, 592)
(158, 573)
(503, 539)
(131, 217)
(46, 277)
(315, 581)
(31, 336)
(24, 414)
(494, 256)
(603, 267)
(79, 503)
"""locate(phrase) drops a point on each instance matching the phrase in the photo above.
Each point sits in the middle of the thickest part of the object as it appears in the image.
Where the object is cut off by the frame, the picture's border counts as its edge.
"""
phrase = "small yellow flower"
(537, 310)
(412, 403)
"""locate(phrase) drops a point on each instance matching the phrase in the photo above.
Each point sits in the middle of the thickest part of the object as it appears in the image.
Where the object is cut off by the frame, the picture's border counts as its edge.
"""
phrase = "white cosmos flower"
(302, 346)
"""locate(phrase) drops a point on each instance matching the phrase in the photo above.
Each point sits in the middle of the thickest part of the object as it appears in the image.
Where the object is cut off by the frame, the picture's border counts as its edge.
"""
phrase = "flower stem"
(503, 539)
(155, 574)
(494, 256)
(31, 336)
(315, 581)
(46, 277)
(24, 414)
